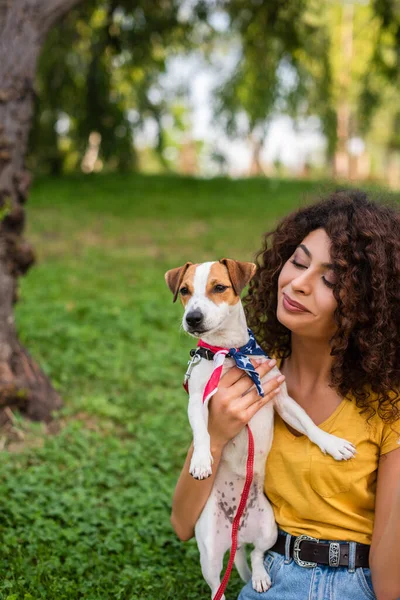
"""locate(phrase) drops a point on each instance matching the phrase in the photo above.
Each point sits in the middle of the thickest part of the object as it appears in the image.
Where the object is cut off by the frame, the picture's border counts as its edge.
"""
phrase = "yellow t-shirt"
(316, 495)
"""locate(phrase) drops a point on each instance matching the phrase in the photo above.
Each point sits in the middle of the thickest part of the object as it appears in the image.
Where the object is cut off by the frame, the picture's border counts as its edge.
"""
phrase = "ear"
(240, 273)
(174, 277)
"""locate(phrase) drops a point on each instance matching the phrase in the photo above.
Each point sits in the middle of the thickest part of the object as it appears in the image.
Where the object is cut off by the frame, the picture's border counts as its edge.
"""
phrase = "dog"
(210, 294)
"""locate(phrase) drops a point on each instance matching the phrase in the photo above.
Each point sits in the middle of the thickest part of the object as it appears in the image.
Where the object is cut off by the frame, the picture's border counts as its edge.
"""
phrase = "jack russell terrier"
(210, 294)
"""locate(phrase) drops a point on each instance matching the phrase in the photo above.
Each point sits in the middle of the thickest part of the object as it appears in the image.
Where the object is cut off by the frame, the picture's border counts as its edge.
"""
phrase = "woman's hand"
(233, 405)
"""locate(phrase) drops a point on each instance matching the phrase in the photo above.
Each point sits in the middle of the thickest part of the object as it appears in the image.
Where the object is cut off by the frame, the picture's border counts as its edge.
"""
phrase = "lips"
(294, 304)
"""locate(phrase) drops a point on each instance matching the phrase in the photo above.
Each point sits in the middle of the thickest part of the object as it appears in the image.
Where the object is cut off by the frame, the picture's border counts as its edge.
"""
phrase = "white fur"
(226, 326)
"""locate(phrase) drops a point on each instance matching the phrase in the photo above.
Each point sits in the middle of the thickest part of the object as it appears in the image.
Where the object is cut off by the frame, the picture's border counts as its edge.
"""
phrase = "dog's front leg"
(200, 465)
(293, 414)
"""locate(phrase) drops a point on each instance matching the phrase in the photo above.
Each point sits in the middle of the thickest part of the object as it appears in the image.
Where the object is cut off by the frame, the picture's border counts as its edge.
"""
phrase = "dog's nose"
(194, 318)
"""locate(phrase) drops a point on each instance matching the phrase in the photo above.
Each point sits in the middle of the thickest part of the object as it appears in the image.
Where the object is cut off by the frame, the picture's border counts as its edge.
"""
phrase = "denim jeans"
(292, 582)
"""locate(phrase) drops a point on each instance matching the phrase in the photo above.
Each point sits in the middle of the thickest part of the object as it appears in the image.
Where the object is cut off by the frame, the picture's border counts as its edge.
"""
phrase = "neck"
(232, 333)
(310, 362)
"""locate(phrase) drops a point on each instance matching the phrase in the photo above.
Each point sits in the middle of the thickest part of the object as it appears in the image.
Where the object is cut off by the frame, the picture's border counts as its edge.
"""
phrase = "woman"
(340, 354)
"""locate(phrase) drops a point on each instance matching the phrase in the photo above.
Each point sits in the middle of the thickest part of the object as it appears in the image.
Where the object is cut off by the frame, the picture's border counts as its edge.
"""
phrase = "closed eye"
(299, 266)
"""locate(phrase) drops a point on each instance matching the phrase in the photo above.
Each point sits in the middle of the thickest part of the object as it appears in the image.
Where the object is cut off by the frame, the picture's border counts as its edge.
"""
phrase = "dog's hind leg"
(241, 564)
(211, 560)
(261, 530)
(261, 580)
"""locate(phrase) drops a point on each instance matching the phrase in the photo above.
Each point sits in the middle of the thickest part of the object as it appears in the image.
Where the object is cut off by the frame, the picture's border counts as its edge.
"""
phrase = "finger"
(258, 403)
(244, 384)
(232, 376)
(257, 361)
(269, 388)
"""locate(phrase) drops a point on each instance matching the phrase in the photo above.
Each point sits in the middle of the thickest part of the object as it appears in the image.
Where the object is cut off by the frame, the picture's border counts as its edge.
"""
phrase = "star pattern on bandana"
(242, 360)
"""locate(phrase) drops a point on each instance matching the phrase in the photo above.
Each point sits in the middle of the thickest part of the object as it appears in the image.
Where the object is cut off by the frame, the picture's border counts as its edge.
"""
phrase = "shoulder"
(390, 435)
(387, 435)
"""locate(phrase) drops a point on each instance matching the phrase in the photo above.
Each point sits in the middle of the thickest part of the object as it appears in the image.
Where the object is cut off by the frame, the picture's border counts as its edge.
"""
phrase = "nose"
(303, 282)
(194, 318)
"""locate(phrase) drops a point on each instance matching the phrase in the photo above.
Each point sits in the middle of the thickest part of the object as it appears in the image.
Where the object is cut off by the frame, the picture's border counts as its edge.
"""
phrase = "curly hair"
(365, 250)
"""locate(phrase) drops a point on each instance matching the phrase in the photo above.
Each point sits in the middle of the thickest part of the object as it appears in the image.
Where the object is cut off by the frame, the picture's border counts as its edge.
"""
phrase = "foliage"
(85, 512)
(99, 71)
(280, 64)
(291, 58)
(381, 82)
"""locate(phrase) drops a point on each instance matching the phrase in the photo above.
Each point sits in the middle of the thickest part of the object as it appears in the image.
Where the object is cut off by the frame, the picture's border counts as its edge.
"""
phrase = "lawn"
(85, 502)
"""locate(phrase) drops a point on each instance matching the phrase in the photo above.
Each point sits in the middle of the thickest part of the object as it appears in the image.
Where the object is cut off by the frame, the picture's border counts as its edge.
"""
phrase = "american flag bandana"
(240, 356)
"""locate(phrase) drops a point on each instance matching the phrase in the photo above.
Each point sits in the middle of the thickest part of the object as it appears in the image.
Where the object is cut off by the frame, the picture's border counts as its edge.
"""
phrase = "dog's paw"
(261, 582)
(338, 448)
(200, 471)
(200, 465)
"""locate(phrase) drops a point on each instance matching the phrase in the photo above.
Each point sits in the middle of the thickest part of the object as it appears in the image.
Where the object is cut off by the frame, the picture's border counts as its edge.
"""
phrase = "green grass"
(84, 511)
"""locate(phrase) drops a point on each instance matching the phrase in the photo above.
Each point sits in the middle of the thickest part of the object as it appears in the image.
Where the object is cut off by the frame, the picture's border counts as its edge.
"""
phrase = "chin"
(281, 321)
(195, 334)
(286, 320)
(198, 333)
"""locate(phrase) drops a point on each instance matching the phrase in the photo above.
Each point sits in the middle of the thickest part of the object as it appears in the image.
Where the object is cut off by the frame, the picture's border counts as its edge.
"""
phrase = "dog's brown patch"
(219, 276)
(240, 273)
(174, 278)
(188, 282)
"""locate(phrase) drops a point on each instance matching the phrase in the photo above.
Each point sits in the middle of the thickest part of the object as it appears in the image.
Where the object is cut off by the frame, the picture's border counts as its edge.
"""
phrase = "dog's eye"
(220, 288)
(184, 291)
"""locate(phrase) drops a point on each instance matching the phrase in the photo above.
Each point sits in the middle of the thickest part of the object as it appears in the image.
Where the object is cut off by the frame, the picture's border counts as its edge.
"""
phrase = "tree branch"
(52, 10)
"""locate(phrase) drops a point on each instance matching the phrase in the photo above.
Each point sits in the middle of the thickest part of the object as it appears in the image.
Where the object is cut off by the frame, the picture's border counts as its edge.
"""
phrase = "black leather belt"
(308, 552)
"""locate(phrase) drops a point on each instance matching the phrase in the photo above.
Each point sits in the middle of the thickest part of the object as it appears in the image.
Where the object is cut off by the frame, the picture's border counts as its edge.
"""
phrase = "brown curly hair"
(365, 250)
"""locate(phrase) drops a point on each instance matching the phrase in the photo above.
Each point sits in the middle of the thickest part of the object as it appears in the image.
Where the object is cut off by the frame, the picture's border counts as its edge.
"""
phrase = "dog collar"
(203, 352)
(218, 355)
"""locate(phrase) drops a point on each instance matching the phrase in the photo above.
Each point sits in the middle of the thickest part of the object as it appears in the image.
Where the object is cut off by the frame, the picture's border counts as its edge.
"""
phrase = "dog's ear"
(240, 273)
(174, 277)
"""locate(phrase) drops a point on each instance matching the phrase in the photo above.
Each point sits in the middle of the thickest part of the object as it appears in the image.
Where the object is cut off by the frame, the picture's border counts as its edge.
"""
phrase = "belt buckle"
(296, 551)
(334, 554)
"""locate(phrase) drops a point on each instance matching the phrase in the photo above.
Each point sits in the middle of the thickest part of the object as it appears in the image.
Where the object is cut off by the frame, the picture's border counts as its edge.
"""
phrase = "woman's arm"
(229, 411)
(190, 496)
(385, 547)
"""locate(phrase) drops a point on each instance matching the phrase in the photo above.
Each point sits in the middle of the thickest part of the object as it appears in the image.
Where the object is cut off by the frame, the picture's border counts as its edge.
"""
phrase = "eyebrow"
(214, 281)
(306, 250)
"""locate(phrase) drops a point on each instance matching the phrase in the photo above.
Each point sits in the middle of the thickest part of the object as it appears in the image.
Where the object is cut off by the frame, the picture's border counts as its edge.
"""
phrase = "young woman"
(339, 261)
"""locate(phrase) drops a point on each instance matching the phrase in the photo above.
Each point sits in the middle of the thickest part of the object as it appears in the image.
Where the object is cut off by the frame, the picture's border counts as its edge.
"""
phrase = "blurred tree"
(101, 60)
(379, 103)
(278, 45)
(353, 30)
(24, 25)
(308, 58)
(385, 63)
(344, 85)
(99, 72)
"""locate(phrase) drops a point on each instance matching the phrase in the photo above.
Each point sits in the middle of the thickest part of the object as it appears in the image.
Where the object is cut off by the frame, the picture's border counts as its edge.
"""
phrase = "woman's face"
(307, 283)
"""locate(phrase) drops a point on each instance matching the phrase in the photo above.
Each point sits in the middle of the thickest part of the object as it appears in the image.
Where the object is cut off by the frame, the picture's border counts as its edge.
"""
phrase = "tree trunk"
(256, 143)
(342, 156)
(23, 28)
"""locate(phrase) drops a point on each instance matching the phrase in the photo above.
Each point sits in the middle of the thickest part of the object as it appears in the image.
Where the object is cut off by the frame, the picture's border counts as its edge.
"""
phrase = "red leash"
(239, 512)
